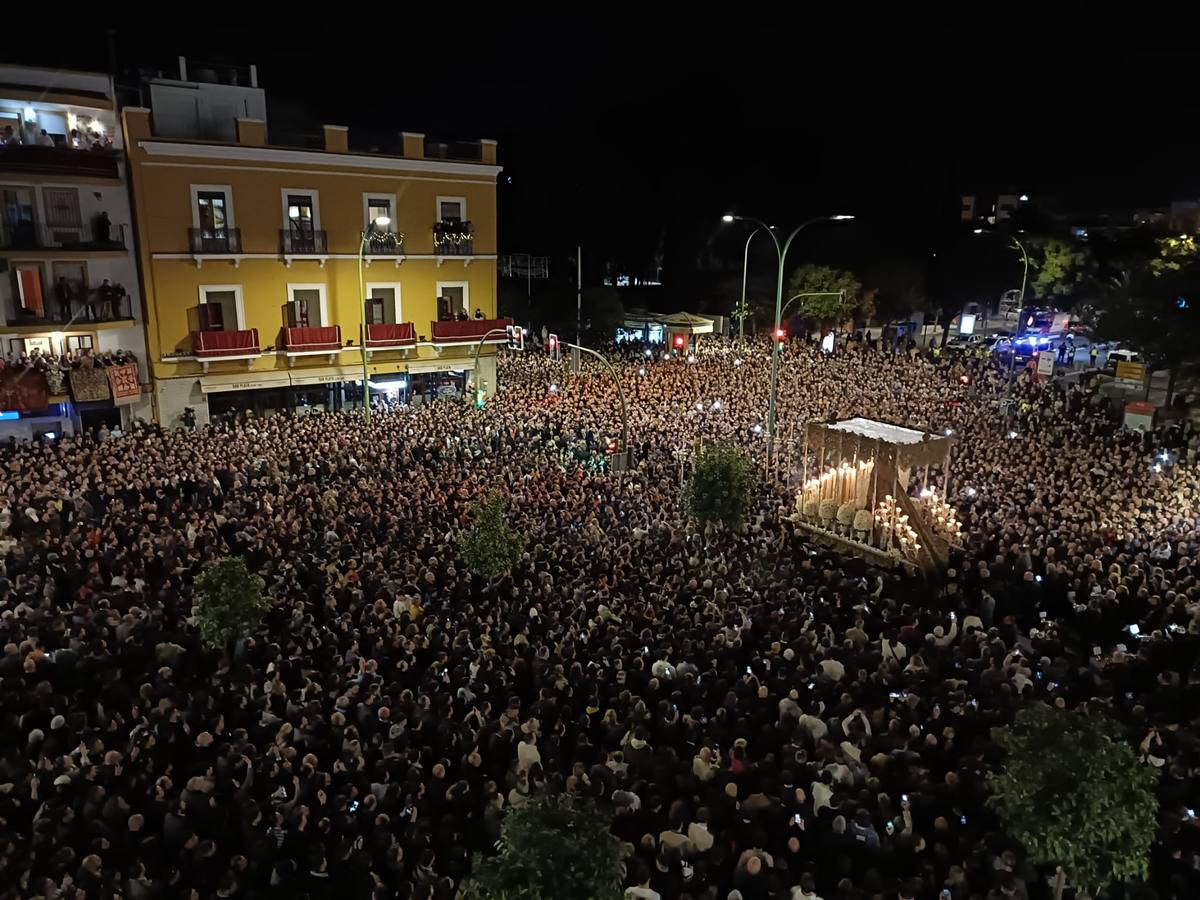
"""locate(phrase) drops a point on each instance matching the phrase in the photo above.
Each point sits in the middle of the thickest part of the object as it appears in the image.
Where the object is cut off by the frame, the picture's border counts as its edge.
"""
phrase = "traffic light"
(480, 397)
(552, 346)
(780, 334)
(611, 447)
(680, 340)
(516, 337)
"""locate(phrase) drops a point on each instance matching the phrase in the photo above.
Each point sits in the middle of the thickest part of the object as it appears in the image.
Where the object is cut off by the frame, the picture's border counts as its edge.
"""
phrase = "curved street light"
(781, 250)
(371, 234)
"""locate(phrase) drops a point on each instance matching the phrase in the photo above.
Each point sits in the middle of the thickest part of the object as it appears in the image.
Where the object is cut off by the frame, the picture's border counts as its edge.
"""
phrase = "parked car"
(1120, 355)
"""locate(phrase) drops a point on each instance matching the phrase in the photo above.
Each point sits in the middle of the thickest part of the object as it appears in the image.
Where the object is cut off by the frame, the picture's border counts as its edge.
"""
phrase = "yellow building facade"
(249, 255)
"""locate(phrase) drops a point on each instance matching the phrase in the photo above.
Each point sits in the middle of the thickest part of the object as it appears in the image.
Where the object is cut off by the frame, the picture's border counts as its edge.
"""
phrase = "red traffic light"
(965, 379)
(780, 334)
(552, 345)
(611, 447)
(679, 340)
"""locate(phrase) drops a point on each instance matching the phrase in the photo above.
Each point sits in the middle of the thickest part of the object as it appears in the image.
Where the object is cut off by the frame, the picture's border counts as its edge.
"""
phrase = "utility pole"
(578, 295)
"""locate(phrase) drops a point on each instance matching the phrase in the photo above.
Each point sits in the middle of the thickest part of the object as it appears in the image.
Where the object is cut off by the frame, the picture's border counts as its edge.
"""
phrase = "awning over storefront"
(245, 381)
(687, 322)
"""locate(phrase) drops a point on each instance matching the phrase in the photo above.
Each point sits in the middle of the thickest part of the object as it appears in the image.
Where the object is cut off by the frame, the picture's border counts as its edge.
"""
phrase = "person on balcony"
(102, 228)
(45, 140)
(62, 293)
(107, 293)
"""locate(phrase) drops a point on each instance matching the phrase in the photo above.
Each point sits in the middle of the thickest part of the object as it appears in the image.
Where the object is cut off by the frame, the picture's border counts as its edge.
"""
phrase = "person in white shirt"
(698, 833)
(822, 792)
(527, 753)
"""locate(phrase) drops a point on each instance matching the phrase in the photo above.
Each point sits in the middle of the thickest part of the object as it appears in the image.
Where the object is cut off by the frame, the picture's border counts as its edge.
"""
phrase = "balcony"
(452, 238)
(466, 332)
(319, 341)
(215, 243)
(64, 162)
(384, 245)
(208, 346)
(300, 245)
(385, 336)
(25, 238)
(84, 306)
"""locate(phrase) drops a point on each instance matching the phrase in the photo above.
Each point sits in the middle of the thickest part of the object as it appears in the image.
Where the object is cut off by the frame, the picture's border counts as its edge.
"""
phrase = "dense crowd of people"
(761, 717)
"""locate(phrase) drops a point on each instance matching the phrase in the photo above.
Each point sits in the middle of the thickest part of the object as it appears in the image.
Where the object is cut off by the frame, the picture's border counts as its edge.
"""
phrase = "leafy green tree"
(1073, 792)
(1061, 270)
(603, 311)
(491, 547)
(829, 282)
(552, 847)
(720, 485)
(1175, 254)
(228, 602)
(1154, 307)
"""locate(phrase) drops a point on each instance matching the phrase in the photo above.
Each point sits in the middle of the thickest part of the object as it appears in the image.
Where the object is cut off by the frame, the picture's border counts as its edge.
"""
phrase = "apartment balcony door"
(214, 215)
(301, 223)
(17, 229)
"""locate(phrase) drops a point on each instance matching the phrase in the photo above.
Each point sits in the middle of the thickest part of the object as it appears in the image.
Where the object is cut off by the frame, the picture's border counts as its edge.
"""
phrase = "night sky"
(630, 131)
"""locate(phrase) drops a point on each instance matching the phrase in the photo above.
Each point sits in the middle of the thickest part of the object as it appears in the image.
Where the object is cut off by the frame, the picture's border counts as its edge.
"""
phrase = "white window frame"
(312, 195)
(226, 189)
(465, 285)
(320, 289)
(461, 201)
(204, 290)
(397, 303)
(367, 195)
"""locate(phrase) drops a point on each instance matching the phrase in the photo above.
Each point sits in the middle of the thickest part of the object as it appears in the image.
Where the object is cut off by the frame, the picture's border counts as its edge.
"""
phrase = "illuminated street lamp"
(781, 250)
(374, 232)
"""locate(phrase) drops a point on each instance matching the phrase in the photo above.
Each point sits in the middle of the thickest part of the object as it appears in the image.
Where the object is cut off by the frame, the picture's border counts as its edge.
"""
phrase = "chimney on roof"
(414, 144)
(251, 132)
(337, 138)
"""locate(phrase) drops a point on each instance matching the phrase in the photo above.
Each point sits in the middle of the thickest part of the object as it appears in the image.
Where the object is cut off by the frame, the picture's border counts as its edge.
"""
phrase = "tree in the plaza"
(1153, 307)
(1060, 271)
(721, 485)
(491, 547)
(602, 312)
(1072, 791)
(838, 292)
(551, 847)
(228, 602)
(759, 308)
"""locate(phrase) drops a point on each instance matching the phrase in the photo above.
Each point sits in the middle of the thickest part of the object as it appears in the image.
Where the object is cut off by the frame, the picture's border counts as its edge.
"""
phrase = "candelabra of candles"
(896, 535)
(942, 517)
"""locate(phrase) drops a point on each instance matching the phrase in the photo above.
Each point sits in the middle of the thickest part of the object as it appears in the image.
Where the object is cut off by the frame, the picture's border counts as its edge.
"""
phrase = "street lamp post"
(1017, 245)
(620, 395)
(781, 250)
(367, 236)
(745, 269)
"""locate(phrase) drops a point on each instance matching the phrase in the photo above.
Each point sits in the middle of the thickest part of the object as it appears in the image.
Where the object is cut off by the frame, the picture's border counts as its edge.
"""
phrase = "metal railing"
(75, 237)
(215, 240)
(34, 158)
(452, 238)
(299, 243)
(385, 243)
(523, 265)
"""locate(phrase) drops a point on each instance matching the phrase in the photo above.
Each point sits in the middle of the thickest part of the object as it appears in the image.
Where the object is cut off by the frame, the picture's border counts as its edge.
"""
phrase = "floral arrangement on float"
(836, 500)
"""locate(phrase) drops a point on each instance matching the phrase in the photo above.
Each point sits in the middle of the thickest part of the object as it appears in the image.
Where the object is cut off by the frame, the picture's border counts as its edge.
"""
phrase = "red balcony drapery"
(467, 330)
(401, 334)
(327, 338)
(210, 344)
